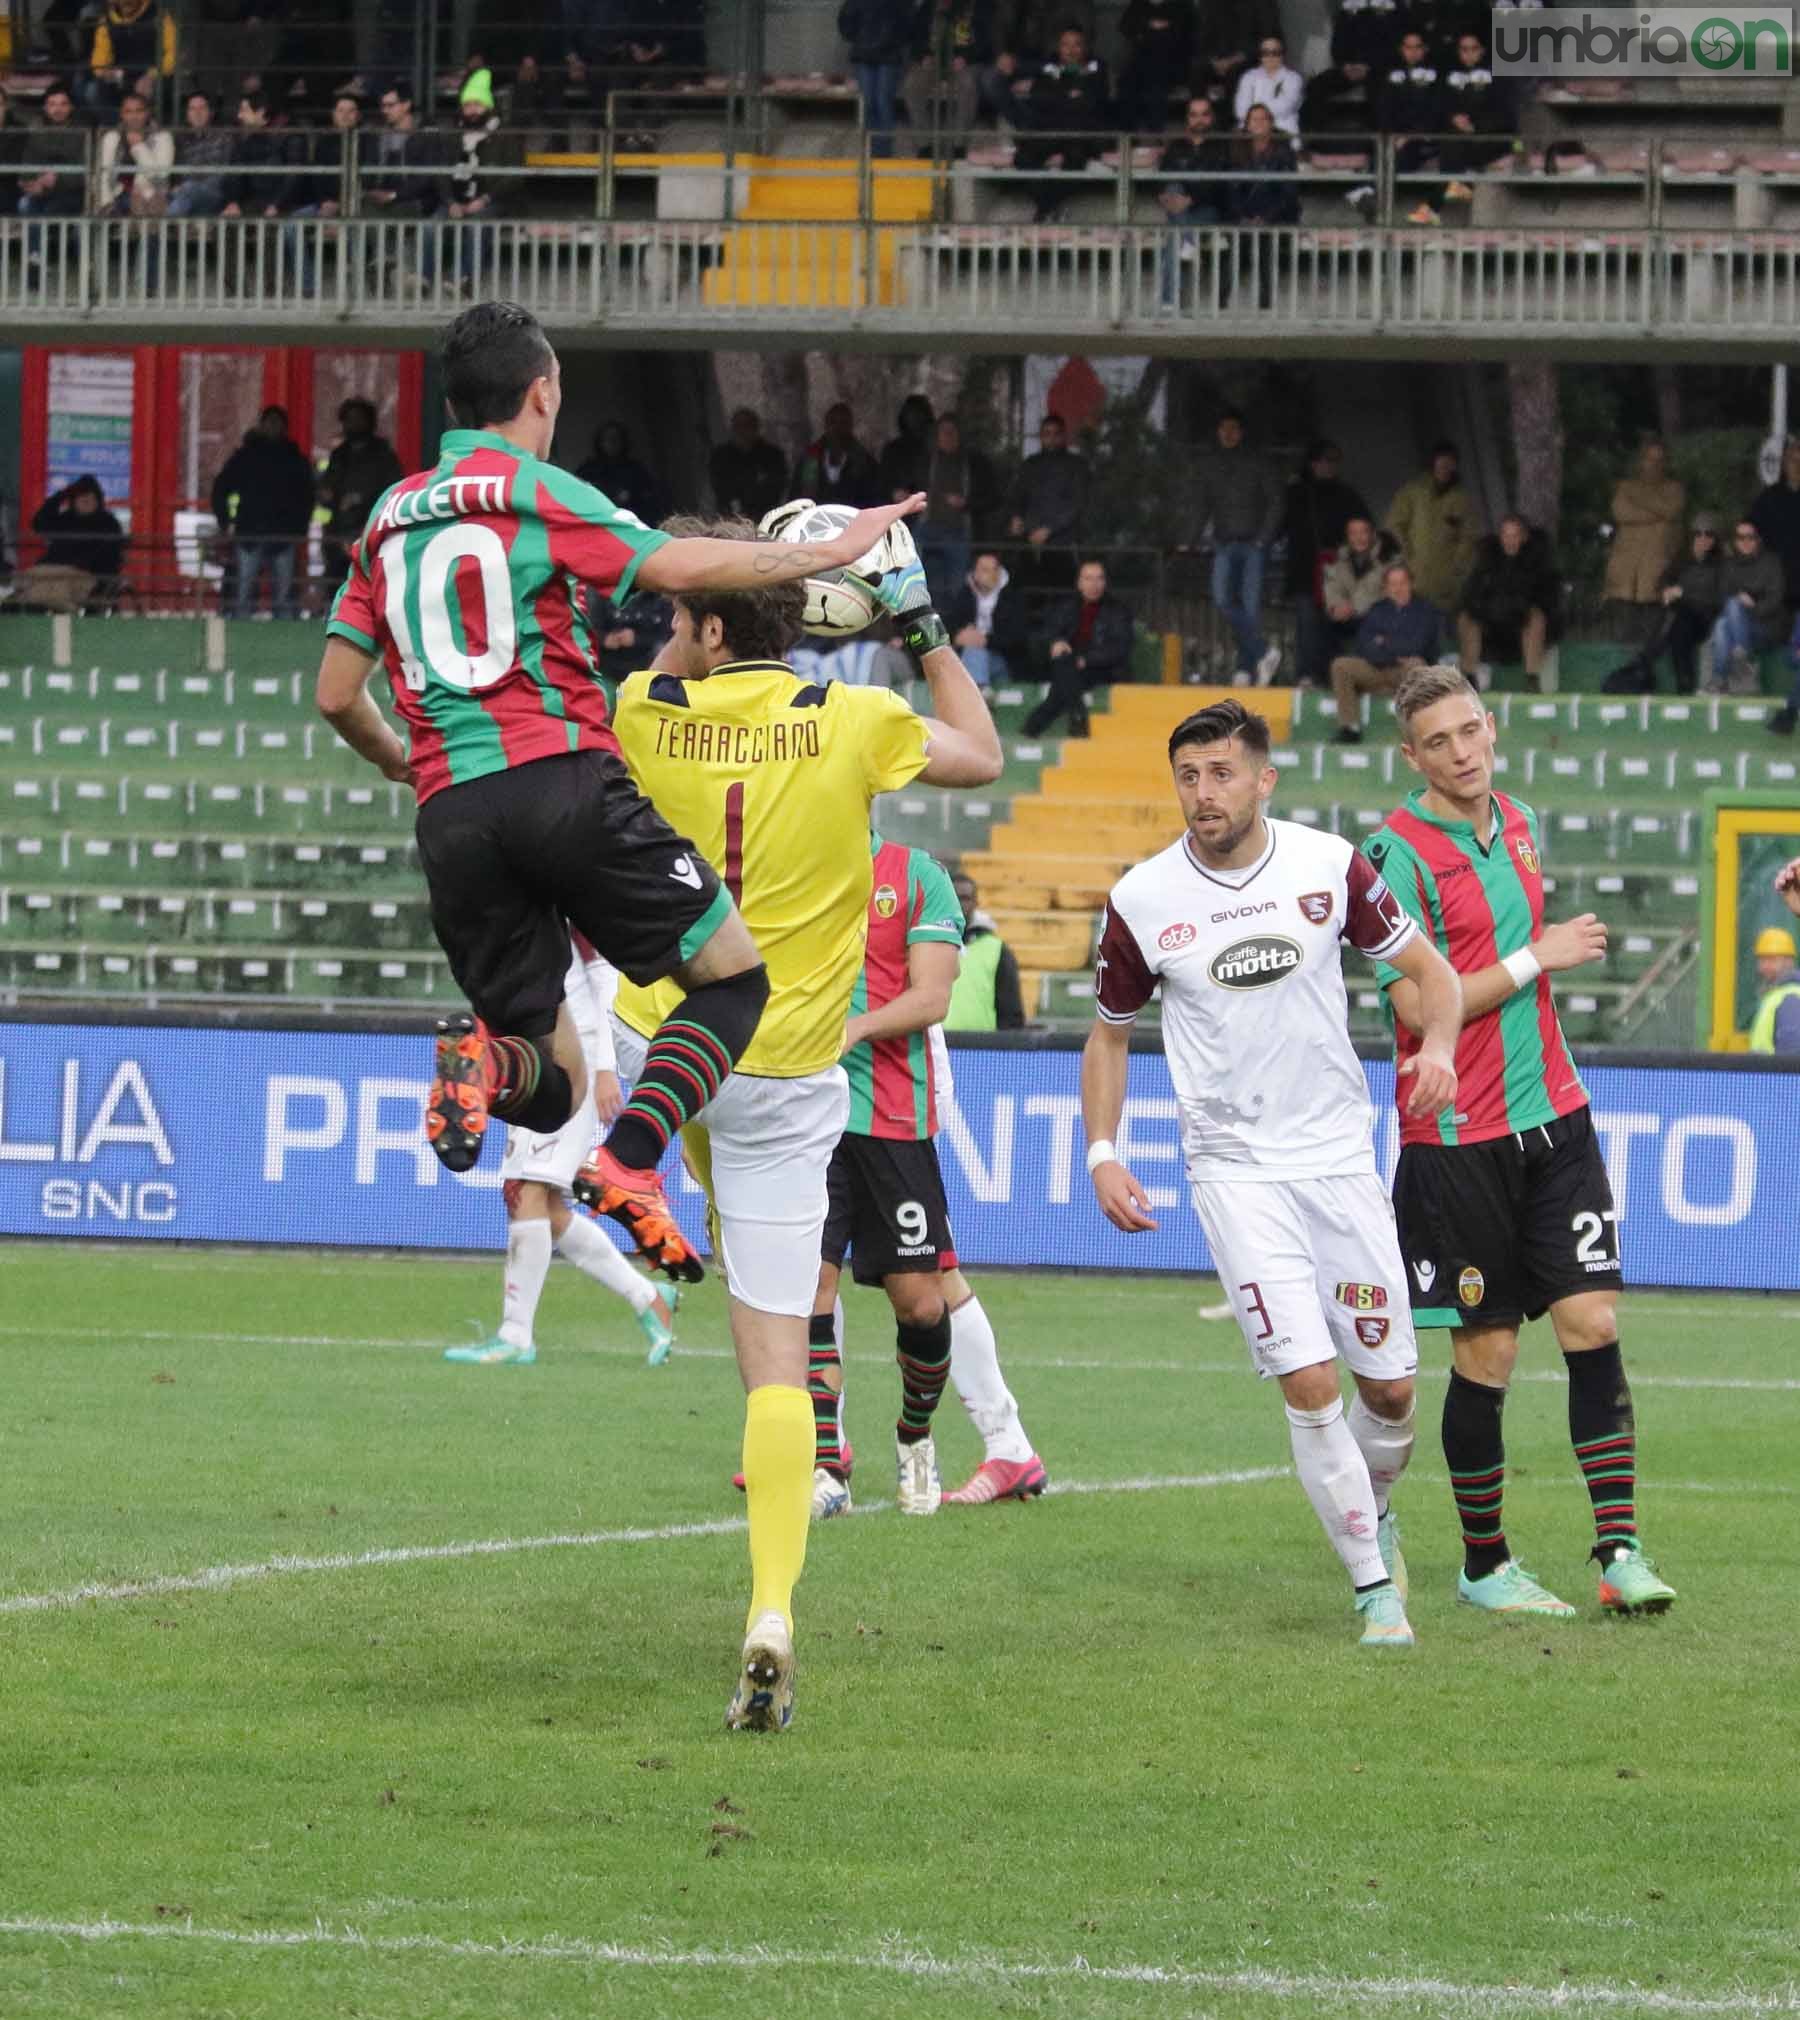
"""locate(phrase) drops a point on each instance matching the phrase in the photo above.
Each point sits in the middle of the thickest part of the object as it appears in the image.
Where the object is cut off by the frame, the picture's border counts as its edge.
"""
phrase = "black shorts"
(515, 858)
(1497, 1232)
(885, 1209)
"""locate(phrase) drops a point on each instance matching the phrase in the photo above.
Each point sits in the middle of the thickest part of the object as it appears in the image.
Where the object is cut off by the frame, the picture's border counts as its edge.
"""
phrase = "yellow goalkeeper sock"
(778, 1470)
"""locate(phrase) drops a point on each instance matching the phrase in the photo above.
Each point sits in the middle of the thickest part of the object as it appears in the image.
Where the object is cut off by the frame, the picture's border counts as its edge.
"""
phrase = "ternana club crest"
(1527, 855)
(887, 902)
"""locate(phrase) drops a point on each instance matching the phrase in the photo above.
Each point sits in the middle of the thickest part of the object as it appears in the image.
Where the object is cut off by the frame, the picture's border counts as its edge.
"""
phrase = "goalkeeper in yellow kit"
(773, 778)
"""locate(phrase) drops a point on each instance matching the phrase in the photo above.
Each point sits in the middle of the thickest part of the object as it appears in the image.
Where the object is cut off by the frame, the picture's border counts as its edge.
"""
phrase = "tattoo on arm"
(781, 558)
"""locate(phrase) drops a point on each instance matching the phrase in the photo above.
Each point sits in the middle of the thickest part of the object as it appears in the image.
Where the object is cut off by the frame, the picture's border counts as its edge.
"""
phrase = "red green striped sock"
(924, 1356)
(1476, 1456)
(690, 1055)
(825, 1385)
(1603, 1430)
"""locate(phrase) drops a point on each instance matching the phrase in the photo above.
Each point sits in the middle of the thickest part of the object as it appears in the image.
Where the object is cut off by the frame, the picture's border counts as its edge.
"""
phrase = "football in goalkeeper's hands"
(840, 602)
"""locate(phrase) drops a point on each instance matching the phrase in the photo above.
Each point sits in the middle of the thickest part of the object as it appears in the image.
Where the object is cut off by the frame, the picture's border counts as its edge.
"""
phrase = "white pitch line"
(1053, 1364)
(1446, 1995)
(219, 1577)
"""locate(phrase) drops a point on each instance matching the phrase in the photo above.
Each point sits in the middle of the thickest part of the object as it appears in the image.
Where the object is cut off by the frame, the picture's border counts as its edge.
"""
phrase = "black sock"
(924, 1356)
(692, 1051)
(533, 1093)
(1603, 1430)
(1475, 1453)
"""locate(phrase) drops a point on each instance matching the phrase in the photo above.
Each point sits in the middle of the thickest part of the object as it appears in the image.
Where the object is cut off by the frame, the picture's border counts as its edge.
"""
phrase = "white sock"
(1336, 1478)
(591, 1253)
(527, 1265)
(837, 1334)
(1386, 1447)
(975, 1369)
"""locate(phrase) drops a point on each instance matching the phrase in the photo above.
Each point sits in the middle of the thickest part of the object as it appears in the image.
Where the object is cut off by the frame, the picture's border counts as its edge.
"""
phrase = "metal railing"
(905, 280)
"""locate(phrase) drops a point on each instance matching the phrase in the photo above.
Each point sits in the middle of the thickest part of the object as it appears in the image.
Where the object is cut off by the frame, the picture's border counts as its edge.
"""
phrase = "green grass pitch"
(1113, 1754)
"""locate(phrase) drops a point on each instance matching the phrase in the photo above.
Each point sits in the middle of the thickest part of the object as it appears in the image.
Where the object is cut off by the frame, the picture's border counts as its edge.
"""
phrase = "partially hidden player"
(774, 777)
(1503, 1201)
(465, 587)
(536, 1174)
(1239, 925)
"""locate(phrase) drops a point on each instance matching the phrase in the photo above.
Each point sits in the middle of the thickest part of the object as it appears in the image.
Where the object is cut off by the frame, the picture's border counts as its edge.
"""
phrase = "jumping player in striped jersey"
(465, 588)
(1504, 1207)
(774, 777)
(888, 1212)
(536, 1175)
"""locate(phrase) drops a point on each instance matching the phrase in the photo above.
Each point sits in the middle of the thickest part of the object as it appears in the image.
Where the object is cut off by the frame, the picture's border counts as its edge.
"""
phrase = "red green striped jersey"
(1513, 1066)
(893, 1084)
(466, 584)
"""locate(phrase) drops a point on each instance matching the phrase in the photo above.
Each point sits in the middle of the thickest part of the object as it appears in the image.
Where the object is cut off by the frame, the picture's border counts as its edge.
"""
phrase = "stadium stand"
(168, 835)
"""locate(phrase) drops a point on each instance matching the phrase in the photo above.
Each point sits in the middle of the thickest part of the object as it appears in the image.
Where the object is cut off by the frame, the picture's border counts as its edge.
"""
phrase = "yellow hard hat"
(1775, 940)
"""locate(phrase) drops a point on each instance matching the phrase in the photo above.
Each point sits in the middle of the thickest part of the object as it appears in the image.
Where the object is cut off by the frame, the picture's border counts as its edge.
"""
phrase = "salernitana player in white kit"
(536, 1175)
(1239, 923)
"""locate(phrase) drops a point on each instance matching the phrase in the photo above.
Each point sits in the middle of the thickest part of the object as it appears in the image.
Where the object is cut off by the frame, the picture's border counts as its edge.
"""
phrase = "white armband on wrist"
(1524, 967)
(1101, 1153)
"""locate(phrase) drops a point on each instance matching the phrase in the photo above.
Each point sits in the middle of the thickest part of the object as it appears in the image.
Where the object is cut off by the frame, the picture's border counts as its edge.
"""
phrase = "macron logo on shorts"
(1426, 1272)
(684, 872)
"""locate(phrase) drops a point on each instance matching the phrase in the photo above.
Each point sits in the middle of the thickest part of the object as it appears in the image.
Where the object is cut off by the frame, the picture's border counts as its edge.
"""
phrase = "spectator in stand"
(987, 622)
(1752, 614)
(631, 634)
(133, 50)
(1085, 643)
(1401, 631)
(1160, 37)
(1226, 37)
(1316, 511)
(1070, 98)
(1049, 504)
(317, 190)
(880, 34)
(135, 159)
(986, 995)
(837, 469)
(1775, 1028)
(959, 490)
(1647, 509)
(1273, 84)
(14, 146)
(392, 186)
(612, 468)
(959, 46)
(1571, 158)
(906, 458)
(84, 551)
(1511, 604)
(1691, 595)
(1198, 150)
(202, 155)
(1341, 100)
(49, 189)
(1776, 516)
(1354, 583)
(473, 192)
(1480, 106)
(1233, 490)
(357, 471)
(255, 190)
(1435, 522)
(661, 35)
(749, 474)
(263, 501)
(1409, 104)
(1264, 193)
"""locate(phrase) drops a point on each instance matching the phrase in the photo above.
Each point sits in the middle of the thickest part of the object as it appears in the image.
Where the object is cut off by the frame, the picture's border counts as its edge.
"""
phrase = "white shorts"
(771, 1143)
(552, 1160)
(1312, 1268)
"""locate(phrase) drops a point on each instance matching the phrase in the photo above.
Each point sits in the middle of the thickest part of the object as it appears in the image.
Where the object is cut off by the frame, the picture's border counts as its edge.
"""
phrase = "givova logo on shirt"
(1256, 962)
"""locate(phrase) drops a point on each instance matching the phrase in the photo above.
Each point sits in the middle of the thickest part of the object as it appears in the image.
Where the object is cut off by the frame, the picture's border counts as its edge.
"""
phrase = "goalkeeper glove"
(902, 590)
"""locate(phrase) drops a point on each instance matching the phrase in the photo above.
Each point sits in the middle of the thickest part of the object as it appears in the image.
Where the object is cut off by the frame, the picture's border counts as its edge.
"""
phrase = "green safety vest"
(1762, 1028)
(972, 1000)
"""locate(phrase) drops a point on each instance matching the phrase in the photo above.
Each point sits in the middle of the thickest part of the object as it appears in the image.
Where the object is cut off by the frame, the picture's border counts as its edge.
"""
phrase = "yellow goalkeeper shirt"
(771, 779)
